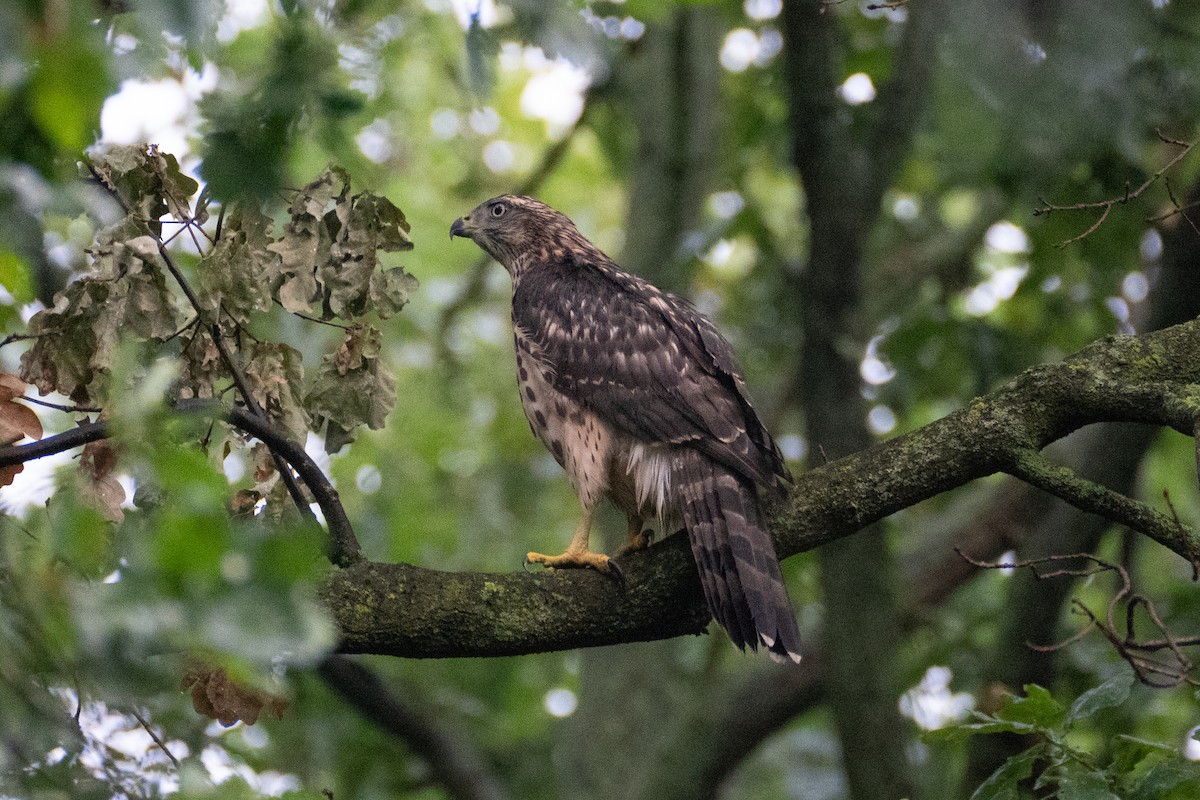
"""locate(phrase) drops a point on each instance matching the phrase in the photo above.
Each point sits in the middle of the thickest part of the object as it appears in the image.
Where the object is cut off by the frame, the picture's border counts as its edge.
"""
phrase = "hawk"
(641, 400)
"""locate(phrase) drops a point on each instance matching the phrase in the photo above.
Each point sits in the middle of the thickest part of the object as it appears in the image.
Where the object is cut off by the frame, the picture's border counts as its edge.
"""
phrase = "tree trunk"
(844, 180)
(630, 695)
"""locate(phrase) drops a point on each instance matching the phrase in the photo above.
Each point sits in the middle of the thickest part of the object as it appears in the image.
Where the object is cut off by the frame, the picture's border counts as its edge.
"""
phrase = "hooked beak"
(459, 228)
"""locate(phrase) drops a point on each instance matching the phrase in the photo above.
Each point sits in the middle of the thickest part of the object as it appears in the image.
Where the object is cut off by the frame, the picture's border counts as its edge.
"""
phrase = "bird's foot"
(572, 560)
(636, 541)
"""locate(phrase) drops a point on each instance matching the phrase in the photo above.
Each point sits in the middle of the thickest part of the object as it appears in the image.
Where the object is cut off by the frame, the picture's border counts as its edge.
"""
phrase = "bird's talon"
(571, 560)
(637, 541)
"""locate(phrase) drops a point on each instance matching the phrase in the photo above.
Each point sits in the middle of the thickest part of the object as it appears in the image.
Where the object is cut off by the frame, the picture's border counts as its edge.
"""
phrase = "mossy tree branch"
(1085, 495)
(404, 610)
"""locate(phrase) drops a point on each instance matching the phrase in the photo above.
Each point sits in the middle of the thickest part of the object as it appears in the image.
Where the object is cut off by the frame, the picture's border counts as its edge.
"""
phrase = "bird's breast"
(579, 441)
(547, 410)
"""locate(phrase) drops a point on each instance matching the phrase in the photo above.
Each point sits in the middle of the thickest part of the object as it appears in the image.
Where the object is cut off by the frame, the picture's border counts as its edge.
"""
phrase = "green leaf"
(244, 151)
(236, 274)
(955, 733)
(15, 276)
(68, 88)
(260, 625)
(191, 526)
(1112, 692)
(82, 537)
(339, 103)
(252, 128)
(1004, 783)
(1084, 786)
(189, 545)
(1130, 751)
(1163, 778)
(482, 48)
(354, 387)
(1036, 708)
(276, 376)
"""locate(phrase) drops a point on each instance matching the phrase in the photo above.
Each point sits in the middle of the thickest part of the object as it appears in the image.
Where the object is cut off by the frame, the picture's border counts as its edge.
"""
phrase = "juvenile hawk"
(641, 400)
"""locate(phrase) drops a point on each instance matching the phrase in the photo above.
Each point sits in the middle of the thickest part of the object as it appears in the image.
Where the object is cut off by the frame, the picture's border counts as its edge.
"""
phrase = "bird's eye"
(498, 210)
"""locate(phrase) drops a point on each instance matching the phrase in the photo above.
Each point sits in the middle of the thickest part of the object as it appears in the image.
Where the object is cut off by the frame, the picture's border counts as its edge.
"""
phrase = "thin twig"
(157, 740)
(1151, 645)
(1032, 467)
(1174, 211)
(310, 318)
(16, 337)
(1050, 648)
(180, 332)
(1047, 208)
(1166, 494)
(1176, 670)
(1175, 204)
(59, 407)
(1090, 230)
(1173, 644)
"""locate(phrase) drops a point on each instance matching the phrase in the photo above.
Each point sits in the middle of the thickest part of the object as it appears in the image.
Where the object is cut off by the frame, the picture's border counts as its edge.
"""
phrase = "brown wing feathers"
(708, 536)
(735, 558)
(646, 378)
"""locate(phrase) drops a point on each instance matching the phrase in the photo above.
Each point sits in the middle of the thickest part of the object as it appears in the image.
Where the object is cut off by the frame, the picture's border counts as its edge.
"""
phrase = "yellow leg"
(578, 554)
(635, 537)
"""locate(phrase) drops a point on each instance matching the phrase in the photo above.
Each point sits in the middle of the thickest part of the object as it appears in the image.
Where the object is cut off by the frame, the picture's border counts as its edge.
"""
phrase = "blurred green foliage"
(1060, 763)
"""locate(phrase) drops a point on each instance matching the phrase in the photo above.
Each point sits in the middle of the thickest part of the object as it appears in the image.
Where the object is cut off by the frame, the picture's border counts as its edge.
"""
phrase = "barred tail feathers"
(736, 558)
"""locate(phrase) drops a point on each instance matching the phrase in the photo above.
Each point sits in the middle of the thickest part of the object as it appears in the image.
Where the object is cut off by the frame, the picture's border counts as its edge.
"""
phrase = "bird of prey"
(640, 399)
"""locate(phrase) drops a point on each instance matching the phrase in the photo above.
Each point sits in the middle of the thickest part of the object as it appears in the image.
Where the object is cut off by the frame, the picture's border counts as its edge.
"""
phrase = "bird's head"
(510, 227)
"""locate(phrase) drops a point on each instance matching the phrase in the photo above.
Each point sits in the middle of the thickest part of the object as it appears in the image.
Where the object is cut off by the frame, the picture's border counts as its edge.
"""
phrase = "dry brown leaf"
(217, 696)
(264, 466)
(99, 459)
(10, 386)
(106, 495)
(16, 419)
(100, 488)
(7, 474)
(244, 501)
